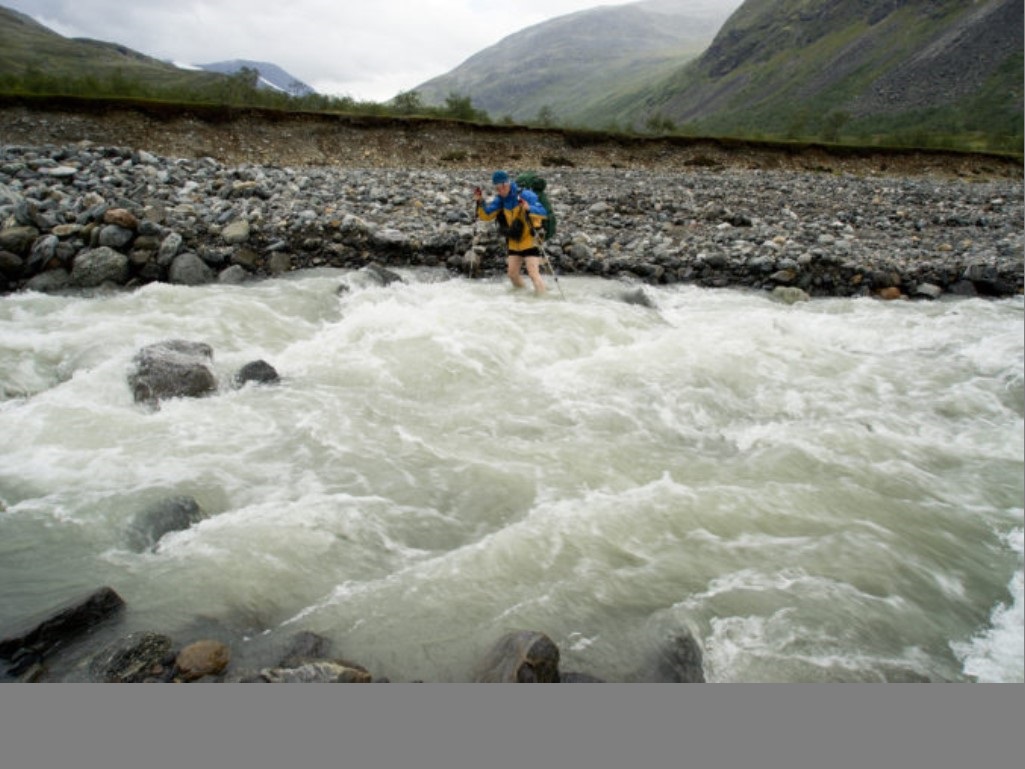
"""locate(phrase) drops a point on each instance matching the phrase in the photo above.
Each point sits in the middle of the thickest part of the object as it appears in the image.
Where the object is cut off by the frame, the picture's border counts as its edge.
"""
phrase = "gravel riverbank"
(81, 216)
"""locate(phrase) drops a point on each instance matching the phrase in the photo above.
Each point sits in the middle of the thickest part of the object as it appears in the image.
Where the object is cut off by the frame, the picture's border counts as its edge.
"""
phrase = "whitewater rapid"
(824, 491)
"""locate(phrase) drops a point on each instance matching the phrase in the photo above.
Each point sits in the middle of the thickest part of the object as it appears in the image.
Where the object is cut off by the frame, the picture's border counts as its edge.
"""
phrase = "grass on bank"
(930, 130)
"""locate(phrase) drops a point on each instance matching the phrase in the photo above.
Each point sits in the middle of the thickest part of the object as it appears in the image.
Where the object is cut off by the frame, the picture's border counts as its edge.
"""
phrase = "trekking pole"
(550, 269)
(541, 246)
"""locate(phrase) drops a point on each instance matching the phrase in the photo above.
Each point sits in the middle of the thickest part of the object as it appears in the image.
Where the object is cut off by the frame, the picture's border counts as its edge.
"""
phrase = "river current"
(824, 491)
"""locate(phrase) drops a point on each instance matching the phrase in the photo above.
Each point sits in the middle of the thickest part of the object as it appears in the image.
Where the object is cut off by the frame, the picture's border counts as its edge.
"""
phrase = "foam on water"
(816, 492)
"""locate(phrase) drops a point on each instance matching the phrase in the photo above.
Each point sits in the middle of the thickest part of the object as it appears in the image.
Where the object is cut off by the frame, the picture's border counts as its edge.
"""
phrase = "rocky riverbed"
(82, 216)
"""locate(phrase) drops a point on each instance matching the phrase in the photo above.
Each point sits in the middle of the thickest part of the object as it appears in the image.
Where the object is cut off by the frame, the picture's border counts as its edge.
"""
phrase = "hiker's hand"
(477, 194)
(524, 204)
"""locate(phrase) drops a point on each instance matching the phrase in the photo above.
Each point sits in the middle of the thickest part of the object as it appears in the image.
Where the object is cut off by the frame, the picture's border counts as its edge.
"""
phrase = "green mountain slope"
(28, 49)
(564, 65)
(863, 67)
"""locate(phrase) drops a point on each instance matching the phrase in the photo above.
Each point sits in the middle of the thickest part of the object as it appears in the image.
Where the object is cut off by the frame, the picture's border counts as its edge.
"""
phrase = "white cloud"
(369, 51)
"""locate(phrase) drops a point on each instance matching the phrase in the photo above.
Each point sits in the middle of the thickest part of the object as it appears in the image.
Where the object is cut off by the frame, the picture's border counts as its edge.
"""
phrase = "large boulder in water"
(523, 656)
(40, 636)
(681, 660)
(167, 515)
(172, 369)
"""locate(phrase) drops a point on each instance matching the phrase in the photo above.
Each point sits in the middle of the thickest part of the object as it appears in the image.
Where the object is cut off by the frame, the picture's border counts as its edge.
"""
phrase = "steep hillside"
(27, 47)
(564, 65)
(810, 66)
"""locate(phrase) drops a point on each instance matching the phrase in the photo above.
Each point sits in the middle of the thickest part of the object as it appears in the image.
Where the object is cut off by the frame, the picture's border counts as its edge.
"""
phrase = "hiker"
(519, 214)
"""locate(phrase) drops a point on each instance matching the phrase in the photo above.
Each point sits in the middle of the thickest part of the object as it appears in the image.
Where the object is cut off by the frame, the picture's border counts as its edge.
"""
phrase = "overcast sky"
(367, 50)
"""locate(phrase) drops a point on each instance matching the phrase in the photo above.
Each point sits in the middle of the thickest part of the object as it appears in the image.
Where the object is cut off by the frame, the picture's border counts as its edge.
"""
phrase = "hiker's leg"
(534, 273)
(513, 270)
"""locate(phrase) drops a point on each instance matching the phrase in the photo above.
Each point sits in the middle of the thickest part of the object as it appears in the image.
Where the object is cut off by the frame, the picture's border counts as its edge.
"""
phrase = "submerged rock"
(167, 515)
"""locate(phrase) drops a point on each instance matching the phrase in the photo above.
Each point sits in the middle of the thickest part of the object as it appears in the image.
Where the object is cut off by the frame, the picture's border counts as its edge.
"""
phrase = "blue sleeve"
(535, 204)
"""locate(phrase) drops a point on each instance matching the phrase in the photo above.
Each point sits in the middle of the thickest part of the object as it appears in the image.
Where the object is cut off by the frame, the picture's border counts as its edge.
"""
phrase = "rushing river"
(825, 491)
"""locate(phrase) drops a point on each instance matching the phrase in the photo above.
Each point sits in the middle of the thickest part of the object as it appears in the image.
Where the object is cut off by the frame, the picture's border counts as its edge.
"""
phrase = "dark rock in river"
(171, 514)
(305, 646)
(59, 627)
(132, 659)
(681, 661)
(524, 656)
(258, 371)
(172, 369)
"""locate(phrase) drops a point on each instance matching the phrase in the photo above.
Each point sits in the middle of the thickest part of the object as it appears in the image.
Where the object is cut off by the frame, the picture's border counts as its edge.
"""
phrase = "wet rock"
(681, 660)
(235, 275)
(172, 369)
(51, 281)
(279, 263)
(258, 371)
(305, 646)
(11, 265)
(381, 275)
(172, 514)
(639, 297)
(40, 637)
(579, 678)
(321, 671)
(790, 294)
(131, 659)
(524, 656)
(200, 659)
(928, 291)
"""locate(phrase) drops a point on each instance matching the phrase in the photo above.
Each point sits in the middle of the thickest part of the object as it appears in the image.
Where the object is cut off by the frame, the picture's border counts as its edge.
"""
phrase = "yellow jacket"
(511, 211)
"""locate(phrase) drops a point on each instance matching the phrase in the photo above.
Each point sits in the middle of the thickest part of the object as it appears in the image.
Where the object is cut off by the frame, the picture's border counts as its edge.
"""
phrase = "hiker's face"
(502, 189)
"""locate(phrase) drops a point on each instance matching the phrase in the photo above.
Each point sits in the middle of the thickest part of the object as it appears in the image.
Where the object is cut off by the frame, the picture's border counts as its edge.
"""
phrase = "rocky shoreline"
(63, 646)
(81, 216)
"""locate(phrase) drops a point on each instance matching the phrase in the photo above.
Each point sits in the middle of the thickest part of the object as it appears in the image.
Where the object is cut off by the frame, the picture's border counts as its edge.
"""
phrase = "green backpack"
(537, 185)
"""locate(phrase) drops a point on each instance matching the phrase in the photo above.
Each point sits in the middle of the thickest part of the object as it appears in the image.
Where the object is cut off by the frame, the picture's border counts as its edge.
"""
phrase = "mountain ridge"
(572, 58)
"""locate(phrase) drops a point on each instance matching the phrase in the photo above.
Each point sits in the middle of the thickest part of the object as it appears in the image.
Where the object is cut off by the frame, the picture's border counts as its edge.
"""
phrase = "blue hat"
(499, 177)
